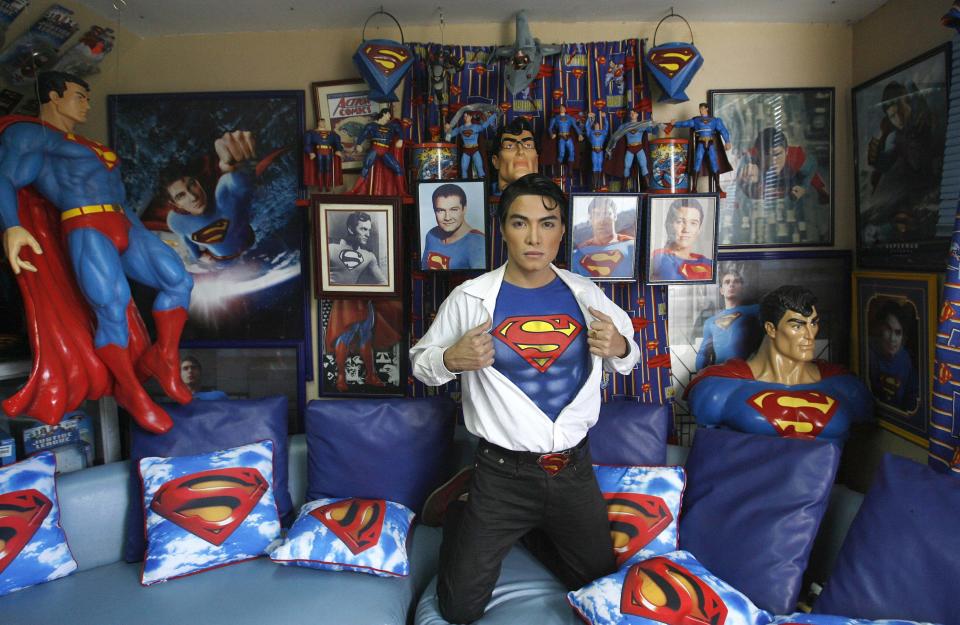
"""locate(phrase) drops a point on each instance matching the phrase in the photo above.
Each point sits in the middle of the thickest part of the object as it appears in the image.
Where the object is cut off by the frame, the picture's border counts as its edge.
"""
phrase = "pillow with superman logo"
(33, 548)
(802, 618)
(643, 504)
(207, 510)
(672, 588)
(349, 534)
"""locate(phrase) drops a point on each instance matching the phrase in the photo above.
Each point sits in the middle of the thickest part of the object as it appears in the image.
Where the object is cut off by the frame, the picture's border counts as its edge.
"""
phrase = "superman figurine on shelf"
(705, 131)
(324, 149)
(597, 131)
(469, 134)
(562, 127)
(72, 244)
(782, 390)
(382, 172)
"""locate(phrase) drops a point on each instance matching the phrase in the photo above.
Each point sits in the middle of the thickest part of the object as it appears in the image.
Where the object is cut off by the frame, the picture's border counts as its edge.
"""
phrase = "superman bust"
(781, 390)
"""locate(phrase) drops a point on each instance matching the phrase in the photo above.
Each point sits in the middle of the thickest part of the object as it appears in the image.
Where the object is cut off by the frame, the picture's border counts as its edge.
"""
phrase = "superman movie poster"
(215, 175)
(362, 347)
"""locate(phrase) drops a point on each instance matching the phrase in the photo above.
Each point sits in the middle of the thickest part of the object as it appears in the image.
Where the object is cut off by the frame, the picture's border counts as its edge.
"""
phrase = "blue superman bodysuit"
(894, 380)
(669, 266)
(613, 260)
(469, 252)
(540, 343)
(731, 333)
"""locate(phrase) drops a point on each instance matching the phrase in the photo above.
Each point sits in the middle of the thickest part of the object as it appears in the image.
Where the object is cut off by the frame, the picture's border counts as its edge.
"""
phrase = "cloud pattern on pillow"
(643, 504)
(29, 510)
(697, 594)
(349, 534)
(802, 618)
(173, 550)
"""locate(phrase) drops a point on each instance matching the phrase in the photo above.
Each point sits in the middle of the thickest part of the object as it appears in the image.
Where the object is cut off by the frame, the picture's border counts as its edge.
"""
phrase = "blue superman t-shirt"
(540, 343)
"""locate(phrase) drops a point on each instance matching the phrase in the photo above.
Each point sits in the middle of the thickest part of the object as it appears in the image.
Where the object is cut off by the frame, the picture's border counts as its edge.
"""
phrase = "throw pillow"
(628, 432)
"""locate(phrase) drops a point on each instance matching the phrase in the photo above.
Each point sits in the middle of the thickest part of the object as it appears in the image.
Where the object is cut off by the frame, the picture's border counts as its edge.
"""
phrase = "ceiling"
(150, 18)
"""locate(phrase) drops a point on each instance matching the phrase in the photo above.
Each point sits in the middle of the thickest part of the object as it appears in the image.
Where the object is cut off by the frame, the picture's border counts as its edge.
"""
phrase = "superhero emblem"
(664, 591)
(467, 134)
(538, 340)
(351, 259)
(356, 522)
(727, 320)
(212, 233)
(386, 58)
(635, 520)
(943, 374)
(21, 514)
(107, 156)
(671, 60)
(947, 312)
(210, 504)
(795, 414)
(658, 361)
(601, 264)
(438, 261)
(653, 344)
(696, 271)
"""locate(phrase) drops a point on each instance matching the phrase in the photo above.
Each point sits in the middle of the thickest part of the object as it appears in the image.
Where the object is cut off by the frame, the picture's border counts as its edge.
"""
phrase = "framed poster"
(681, 238)
(347, 106)
(216, 175)
(899, 130)
(357, 241)
(603, 235)
(363, 347)
(453, 225)
(895, 321)
(780, 192)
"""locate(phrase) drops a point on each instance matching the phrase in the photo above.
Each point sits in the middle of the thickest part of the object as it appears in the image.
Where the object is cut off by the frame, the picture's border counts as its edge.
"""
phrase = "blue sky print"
(364, 544)
(599, 602)
(651, 507)
(27, 494)
(802, 618)
(229, 481)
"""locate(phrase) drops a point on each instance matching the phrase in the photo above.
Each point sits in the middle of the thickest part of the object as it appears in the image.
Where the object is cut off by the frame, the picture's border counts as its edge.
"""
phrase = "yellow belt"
(90, 210)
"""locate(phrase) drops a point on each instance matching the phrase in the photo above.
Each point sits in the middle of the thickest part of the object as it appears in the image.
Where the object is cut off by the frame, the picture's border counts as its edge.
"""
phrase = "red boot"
(371, 377)
(340, 356)
(162, 359)
(130, 394)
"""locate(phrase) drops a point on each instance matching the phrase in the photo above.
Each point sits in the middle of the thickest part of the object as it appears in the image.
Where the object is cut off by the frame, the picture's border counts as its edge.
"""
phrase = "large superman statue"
(781, 390)
(72, 245)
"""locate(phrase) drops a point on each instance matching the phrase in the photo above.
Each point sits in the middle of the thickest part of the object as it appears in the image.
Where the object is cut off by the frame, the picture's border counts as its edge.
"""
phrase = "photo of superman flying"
(215, 175)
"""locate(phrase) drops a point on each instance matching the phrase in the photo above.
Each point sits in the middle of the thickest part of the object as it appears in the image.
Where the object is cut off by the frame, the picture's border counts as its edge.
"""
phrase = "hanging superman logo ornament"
(356, 522)
(663, 591)
(795, 414)
(635, 520)
(21, 514)
(383, 64)
(673, 66)
(538, 340)
(210, 504)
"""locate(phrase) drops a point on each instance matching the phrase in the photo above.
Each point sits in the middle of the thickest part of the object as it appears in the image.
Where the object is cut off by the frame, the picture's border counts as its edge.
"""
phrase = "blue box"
(71, 440)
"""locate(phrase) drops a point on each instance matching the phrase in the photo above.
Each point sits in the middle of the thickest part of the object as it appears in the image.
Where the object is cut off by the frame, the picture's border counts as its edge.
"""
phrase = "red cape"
(387, 326)
(380, 180)
(737, 368)
(312, 179)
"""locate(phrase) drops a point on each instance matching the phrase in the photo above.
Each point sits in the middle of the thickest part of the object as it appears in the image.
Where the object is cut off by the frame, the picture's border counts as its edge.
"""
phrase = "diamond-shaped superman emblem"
(538, 340)
(673, 66)
(210, 504)
(663, 591)
(21, 514)
(356, 522)
(795, 414)
(382, 64)
(635, 520)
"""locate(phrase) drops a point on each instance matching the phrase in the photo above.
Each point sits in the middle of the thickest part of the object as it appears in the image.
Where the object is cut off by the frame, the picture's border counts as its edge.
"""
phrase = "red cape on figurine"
(312, 179)
(380, 180)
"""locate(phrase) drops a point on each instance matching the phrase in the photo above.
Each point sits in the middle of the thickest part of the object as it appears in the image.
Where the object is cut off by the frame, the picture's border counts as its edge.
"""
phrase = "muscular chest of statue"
(79, 172)
(800, 411)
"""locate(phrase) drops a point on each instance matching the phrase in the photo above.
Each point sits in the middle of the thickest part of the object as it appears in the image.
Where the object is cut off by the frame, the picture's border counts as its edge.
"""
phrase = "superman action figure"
(781, 390)
(470, 144)
(597, 136)
(562, 127)
(71, 199)
(705, 131)
(386, 149)
(325, 150)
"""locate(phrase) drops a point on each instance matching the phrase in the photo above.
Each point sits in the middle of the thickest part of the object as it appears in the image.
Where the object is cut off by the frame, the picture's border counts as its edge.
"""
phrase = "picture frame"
(452, 209)
(346, 104)
(698, 247)
(901, 221)
(346, 355)
(781, 190)
(604, 230)
(894, 330)
(362, 261)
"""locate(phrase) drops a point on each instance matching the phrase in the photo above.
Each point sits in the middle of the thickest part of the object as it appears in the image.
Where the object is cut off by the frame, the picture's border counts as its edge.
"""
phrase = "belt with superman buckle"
(554, 463)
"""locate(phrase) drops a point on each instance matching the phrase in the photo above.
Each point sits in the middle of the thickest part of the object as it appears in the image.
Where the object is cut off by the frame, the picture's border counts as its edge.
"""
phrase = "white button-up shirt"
(494, 408)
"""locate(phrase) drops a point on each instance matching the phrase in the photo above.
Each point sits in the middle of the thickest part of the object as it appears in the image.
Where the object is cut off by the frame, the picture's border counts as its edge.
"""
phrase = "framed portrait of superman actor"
(453, 225)
(681, 238)
(216, 176)
(603, 235)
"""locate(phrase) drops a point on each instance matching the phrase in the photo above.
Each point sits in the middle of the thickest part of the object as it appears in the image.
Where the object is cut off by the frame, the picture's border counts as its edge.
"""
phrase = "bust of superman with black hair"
(781, 390)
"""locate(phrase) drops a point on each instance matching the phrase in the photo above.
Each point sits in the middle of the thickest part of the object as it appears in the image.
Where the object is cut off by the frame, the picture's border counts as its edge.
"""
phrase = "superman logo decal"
(601, 264)
(671, 61)
(210, 504)
(948, 311)
(437, 261)
(386, 58)
(663, 591)
(635, 520)
(107, 156)
(467, 134)
(696, 271)
(21, 514)
(727, 320)
(212, 233)
(538, 340)
(351, 259)
(356, 522)
(795, 414)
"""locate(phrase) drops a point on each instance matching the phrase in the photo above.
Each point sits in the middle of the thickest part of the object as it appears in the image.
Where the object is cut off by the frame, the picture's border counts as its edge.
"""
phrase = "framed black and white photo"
(453, 225)
(603, 235)
(681, 238)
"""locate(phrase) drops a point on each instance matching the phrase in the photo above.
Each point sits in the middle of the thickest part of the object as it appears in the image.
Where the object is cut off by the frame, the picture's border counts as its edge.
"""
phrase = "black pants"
(510, 495)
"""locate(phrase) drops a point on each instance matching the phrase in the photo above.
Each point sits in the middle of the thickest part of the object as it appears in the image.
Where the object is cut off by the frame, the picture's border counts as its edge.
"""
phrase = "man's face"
(778, 157)
(449, 213)
(685, 227)
(731, 287)
(188, 195)
(517, 157)
(532, 233)
(634, 115)
(73, 104)
(602, 220)
(363, 230)
(563, 110)
(190, 373)
(891, 335)
(704, 111)
(795, 335)
(467, 119)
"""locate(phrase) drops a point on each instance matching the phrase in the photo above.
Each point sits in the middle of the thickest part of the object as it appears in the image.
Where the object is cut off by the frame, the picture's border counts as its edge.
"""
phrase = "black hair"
(57, 82)
(675, 207)
(703, 104)
(447, 190)
(515, 128)
(355, 218)
(768, 139)
(382, 112)
(895, 310)
(533, 184)
(191, 359)
(783, 299)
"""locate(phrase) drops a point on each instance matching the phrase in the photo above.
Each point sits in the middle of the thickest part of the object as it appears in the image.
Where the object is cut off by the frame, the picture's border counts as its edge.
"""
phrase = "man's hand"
(473, 351)
(14, 238)
(751, 173)
(797, 192)
(233, 148)
(604, 339)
